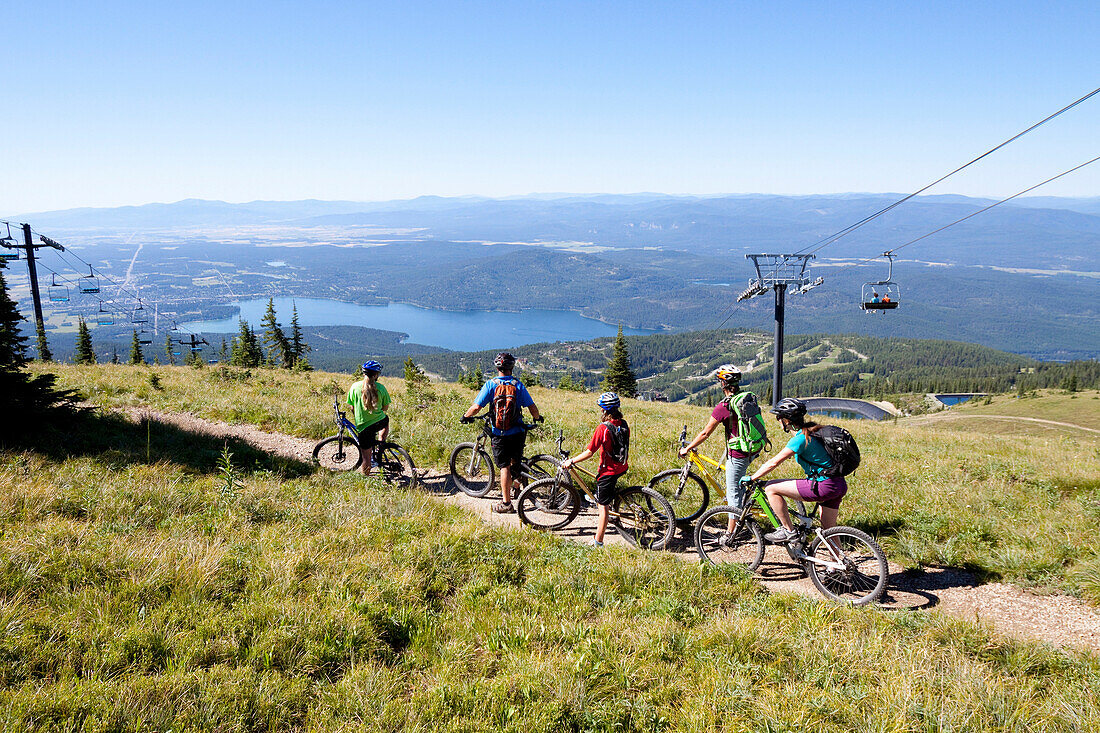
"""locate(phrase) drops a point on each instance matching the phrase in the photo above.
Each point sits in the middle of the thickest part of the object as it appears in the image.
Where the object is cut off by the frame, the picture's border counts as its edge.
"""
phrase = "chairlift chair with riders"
(90, 283)
(58, 293)
(882, 295)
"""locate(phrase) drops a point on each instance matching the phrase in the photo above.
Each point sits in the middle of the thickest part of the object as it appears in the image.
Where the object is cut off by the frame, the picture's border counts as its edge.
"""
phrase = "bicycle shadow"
(117, 440)
(919, 589)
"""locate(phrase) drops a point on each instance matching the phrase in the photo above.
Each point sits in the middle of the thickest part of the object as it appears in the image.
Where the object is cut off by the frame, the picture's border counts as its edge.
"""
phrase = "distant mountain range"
(1022, 277)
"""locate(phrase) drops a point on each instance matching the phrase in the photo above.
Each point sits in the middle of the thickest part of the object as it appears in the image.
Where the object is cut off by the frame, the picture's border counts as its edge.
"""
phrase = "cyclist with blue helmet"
(612, 440)
(369, 399)
(506, 397)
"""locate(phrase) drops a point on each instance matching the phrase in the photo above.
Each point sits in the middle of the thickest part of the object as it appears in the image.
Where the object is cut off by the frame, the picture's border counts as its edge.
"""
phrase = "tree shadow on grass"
(114, 439)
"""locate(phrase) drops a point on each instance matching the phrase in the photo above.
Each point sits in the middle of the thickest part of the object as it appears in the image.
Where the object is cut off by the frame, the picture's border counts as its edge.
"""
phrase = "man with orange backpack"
(506, 397)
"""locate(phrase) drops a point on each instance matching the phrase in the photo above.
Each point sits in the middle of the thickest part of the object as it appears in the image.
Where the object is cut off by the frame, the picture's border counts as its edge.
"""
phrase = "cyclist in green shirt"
(369, 399)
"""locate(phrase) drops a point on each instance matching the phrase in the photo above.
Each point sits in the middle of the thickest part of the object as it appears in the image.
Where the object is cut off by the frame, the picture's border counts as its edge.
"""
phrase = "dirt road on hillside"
(1058, 620)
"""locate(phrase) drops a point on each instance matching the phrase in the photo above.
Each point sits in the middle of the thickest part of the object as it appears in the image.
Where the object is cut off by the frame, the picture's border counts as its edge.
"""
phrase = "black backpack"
(620, 442)
(842, 450)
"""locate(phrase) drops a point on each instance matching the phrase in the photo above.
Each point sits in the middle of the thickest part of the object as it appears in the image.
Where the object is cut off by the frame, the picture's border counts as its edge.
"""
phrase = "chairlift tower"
(29, 247)
(778, 272)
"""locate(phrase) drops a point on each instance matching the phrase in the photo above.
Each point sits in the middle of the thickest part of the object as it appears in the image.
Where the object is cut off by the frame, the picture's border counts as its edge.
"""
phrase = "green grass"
(1024, 511)
(180, 594)
(1079, 408)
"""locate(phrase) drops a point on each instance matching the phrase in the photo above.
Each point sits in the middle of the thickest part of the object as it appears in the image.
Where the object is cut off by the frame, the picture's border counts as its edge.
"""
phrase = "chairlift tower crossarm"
(779, 272)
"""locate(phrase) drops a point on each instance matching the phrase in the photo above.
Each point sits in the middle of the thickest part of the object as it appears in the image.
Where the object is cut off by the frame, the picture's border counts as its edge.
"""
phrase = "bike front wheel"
(395, 465)
(548, 504)
(688, 495)
(338, 453)
(716, 545)
(643, 518)
(539, 467)
(858, 571)
(472, 470)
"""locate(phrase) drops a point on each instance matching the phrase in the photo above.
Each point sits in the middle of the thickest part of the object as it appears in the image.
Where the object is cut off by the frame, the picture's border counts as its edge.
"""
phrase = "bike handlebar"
(487, 417)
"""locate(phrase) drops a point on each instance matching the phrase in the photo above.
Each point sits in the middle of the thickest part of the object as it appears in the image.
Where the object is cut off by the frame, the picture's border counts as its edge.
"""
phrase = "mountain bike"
(639, 514)
(342, 452)
(687, 490)
(474, 472)
(845, 564)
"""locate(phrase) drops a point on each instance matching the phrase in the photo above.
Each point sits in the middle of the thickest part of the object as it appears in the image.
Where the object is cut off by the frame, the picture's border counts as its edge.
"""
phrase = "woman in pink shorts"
(812, 457)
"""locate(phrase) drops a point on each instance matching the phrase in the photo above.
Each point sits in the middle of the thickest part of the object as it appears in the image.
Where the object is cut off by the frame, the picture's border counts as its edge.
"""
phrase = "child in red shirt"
(612, 440)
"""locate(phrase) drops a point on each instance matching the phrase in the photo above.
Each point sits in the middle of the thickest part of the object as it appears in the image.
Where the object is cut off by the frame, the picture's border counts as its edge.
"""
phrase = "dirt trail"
(1058, 620)
(942, 416)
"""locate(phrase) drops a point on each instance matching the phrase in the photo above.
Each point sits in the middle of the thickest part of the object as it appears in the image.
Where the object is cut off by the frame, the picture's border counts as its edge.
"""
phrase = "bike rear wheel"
(338, 453)
(714, 543)
(688, 496)
(863, 578)
(395, 465)
(472, 470)
(643, 517)
(548, 504)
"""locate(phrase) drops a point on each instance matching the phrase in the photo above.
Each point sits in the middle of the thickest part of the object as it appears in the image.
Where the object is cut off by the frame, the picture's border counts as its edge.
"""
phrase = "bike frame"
(579, 477)
(479, 446)
(760, 499)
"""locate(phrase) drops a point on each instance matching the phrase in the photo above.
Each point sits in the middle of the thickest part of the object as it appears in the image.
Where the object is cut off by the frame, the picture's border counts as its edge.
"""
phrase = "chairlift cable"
(822, 243)
(968, 216)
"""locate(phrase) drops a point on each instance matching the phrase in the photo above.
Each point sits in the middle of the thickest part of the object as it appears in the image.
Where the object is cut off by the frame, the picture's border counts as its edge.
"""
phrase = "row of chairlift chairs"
(58, 292)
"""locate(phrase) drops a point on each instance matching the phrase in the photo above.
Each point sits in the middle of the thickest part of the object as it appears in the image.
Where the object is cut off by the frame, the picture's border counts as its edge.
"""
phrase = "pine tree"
(169, 348)
(85, 354)
(29, 398)
(114, 355)
(246, 348)
(279, 348)
(618, 376)
(44, 353)
(223, 352)
(417, 385)
(136, 355)
(298, 347)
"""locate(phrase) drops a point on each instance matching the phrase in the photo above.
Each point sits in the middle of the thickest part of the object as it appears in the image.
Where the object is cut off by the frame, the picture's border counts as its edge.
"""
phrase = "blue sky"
(115, 103)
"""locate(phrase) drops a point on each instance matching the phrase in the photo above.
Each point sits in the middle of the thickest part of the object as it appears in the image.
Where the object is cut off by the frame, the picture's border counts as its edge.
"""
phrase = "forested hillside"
(679, 365)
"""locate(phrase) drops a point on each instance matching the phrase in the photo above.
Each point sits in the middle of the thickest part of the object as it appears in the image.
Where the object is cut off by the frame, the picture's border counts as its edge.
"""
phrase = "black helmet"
(504, 360)
(790, 408)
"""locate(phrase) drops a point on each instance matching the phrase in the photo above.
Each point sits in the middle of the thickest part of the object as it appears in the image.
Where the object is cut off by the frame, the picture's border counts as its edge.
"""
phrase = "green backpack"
(751, 436)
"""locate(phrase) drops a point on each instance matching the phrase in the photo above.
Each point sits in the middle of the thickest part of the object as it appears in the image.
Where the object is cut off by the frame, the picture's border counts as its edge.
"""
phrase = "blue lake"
(460, 330)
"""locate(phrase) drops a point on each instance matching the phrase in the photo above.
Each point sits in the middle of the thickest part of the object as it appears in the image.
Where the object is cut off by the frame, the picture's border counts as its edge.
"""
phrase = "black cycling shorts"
(508, 449)
(606, 489)
(368, 438)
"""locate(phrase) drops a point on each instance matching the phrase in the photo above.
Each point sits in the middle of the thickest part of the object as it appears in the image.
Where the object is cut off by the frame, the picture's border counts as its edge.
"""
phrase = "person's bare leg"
(776, 493)
(506, 483)
(601, 524)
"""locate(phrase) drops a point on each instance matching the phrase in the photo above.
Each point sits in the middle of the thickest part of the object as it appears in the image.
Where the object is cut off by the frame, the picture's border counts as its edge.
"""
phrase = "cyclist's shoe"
(726, 541)
(504, 507)
(781, 536)
(597, 543)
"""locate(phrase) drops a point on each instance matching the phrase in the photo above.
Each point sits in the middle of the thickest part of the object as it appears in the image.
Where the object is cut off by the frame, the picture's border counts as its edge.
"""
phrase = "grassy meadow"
(154, 582)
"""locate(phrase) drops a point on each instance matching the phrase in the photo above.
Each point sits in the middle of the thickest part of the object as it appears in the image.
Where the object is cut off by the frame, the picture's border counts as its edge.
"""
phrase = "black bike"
(474, 472)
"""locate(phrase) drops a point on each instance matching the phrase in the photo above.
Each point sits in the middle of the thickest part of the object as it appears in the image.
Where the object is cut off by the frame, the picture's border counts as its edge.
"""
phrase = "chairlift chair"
(90, 283)
(881, 295)
(58, 293)
(144, 338)
(105, 317)
(139, 315)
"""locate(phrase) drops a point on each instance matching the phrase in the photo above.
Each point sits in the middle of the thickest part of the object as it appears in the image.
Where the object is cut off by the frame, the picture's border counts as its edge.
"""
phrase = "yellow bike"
(640, 515)
(686, 490)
